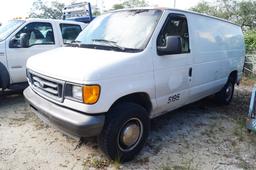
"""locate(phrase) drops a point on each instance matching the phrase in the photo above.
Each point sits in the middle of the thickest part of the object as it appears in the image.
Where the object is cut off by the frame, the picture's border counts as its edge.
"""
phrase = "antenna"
(174, 4)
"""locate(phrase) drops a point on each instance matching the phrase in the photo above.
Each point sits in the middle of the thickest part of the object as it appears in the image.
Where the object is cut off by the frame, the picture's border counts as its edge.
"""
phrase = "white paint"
(212, 58)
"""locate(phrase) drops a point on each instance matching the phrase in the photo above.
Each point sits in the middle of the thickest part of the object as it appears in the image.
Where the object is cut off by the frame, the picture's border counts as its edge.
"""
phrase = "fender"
(4, 77)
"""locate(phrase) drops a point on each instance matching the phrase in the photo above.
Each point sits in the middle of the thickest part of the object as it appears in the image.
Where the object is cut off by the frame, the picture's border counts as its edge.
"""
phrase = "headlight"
(88, 94)
(77, 92)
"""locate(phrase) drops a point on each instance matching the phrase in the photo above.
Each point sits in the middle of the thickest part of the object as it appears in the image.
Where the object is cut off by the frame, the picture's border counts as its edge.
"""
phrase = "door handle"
(190, 72)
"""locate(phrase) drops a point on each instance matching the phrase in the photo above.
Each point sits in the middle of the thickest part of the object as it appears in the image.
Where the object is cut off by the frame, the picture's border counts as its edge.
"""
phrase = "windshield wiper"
(111, 43)
(74, 44)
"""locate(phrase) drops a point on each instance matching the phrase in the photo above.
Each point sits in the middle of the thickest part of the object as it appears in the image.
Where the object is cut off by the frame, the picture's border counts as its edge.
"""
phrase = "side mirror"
(21, 42)
(14, 43)
(172, 46)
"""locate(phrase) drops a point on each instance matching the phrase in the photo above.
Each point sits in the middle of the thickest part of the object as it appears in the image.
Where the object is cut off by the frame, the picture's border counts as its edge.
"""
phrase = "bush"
(250, 41)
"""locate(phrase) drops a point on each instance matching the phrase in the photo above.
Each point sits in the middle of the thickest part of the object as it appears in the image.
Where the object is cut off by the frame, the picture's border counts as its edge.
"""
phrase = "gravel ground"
(202, 135)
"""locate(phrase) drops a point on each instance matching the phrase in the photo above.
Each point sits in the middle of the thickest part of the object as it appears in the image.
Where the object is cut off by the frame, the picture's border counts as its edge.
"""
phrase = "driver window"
(176, 25)
(36, 33)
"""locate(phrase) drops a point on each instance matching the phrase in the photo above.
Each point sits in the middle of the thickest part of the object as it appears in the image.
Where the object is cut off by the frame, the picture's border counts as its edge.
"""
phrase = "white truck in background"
(130, 66)
(20, 39)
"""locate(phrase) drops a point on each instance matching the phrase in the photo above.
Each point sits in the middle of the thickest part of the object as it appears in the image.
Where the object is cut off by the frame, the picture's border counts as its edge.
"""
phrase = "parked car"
(20, 39)
(131, 66)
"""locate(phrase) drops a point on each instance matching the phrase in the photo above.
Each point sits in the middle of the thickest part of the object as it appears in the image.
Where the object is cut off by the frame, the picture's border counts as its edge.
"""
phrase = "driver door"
(33, 38)
(173, 72)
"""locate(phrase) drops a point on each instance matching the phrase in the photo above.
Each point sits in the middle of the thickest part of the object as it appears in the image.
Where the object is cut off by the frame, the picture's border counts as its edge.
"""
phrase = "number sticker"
(173, 98)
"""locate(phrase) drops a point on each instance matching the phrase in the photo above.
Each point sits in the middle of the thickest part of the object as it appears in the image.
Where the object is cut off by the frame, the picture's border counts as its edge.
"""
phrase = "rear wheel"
(125, 132)
(226, 94)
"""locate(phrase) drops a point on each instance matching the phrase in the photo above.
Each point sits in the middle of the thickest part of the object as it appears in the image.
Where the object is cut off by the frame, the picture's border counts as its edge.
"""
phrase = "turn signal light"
(91, 94)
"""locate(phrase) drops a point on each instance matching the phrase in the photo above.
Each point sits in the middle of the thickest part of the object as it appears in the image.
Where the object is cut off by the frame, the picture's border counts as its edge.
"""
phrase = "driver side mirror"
(21, 42)
(172, 46)
(14, 43)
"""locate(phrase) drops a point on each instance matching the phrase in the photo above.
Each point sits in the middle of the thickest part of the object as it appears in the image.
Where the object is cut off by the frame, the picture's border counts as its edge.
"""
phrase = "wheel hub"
(229, 91)
(130, 134)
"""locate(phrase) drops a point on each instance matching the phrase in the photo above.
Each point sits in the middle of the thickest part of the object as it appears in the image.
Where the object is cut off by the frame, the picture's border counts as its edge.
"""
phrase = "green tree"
(250, 40)
(205, 8)
(40, 9)
(240, 12)
(96, 12)
(131, 4)
(134, 3)
(118, 6)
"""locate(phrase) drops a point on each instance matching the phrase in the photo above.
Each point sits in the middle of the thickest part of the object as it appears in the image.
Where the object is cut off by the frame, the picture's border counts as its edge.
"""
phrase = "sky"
(10, 9)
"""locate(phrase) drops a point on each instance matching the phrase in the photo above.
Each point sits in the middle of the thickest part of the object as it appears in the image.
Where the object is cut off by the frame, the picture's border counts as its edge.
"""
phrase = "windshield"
(122, 30)
(9, 27)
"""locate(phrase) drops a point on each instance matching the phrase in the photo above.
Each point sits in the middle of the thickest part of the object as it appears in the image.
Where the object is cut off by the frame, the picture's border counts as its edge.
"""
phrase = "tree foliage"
(240, 12)
(130, 4)
(42, 9)
(250, 40)
(96, 12)
(118, 6)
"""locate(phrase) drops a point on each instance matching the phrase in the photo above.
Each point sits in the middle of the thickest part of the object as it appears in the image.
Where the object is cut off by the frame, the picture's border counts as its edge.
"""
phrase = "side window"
(69, 32)
(176, 25)
(36, 33)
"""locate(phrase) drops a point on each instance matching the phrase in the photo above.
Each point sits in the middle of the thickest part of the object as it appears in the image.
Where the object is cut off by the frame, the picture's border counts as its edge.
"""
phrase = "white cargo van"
(130, 66)
(20, 39)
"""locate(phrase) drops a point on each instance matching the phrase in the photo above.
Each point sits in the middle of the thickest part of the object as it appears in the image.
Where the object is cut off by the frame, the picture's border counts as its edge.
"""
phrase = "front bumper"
(71, 122)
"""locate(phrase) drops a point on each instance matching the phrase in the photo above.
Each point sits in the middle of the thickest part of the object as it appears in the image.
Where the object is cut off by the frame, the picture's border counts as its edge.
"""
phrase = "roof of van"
(51, 20)
(184, 11)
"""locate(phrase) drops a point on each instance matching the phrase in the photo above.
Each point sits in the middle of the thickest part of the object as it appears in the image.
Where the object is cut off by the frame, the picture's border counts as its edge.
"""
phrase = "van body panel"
(165, 59)
(171, 72)
(212, 48)
(93, 68)
(218, 49)
(109, 69)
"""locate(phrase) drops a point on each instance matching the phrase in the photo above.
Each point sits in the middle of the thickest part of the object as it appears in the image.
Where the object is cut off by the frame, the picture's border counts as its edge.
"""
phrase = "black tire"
(225, 96)
(120, 118)
(4, 77)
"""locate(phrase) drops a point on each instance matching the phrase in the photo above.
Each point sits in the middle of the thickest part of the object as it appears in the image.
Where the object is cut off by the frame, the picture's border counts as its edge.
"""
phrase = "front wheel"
(226, 94)
(125, 132)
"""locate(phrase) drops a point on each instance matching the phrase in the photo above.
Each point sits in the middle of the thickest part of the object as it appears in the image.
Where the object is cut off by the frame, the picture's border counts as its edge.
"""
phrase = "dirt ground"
(202, 135)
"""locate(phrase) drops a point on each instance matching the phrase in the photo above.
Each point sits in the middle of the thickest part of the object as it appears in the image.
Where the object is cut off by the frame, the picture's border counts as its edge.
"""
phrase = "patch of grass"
(252, 139)
(211, 131)
(176, 167)
(187, 164)
(239, 130)
(94, 161)
(116, 165)
(248, 80)
(244, 165)
(143, 161)
(167, 167)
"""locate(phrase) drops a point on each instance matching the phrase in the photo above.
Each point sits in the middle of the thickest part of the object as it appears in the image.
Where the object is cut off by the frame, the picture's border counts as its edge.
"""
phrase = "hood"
(81, 65)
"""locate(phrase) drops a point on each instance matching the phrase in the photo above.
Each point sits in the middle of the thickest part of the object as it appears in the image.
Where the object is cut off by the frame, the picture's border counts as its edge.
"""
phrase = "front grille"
(46, 86)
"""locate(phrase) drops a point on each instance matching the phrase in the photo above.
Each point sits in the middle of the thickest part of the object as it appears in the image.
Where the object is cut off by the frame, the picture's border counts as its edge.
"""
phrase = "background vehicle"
(131, 66)
(20, 39)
